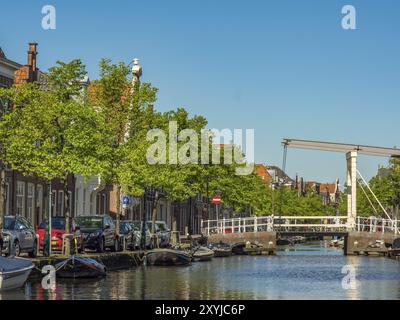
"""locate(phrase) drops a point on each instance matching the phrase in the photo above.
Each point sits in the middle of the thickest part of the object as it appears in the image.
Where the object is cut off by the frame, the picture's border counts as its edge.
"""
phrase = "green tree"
(123, 108)
(54, 136)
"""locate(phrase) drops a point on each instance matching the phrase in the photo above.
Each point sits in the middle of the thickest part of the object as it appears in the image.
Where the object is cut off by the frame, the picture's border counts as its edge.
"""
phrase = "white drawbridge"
(351, 151)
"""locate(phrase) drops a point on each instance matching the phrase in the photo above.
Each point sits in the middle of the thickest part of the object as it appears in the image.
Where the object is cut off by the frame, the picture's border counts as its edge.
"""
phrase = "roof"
(327, 187)
(2, 55)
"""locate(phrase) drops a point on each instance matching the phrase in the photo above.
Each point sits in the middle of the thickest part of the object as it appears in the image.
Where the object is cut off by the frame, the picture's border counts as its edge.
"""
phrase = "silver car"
(162, 231)
(137, 230)
(19, 236)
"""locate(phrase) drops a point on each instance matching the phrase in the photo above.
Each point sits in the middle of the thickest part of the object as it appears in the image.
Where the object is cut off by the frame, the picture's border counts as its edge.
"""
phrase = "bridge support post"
(351, 158)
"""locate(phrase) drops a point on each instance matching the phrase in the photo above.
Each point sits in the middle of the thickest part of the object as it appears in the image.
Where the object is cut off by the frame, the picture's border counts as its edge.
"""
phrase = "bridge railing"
(298, 224)
(310, 223)
(271, 223)
(237, 225)
(375, 224)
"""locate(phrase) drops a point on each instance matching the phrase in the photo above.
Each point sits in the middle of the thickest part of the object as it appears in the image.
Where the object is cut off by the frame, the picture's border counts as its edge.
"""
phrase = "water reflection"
(301, 272)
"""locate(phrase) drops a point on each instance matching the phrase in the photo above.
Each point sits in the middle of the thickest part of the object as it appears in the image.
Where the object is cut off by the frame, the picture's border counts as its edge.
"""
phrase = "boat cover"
(86, 261)
(13, 264)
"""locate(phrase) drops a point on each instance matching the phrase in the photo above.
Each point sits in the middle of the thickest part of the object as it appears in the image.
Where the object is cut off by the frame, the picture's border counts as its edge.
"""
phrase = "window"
(84, 202)
(91, 203)
(71, 211)
(39, 203)
(104, 204)
(60, 204)
(7, 198)
(77, 212)
(30, 201)
(20, 198)
(53, 203)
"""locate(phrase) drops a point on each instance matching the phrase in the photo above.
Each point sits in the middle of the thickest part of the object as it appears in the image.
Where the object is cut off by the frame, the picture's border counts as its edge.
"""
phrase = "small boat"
(283, 242)
(167, 257)
(221, 249)
(238, 247)
(202, 254)
(14, 272)
(336, 243)
(252, 249)
(247, 248)
(79, 267)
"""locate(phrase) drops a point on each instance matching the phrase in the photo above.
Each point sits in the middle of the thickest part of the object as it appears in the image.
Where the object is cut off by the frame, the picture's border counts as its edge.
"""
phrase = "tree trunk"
(174, 239)
(2, 195)
(153, 220)
(2, 202)
(118, 213)
(67, 215)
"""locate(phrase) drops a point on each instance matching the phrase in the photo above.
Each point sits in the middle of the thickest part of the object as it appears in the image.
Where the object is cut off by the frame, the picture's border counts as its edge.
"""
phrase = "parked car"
(57, 232)
(98, 232)
(137, 230)
(162, 231)
(126, 230)
(19, 234)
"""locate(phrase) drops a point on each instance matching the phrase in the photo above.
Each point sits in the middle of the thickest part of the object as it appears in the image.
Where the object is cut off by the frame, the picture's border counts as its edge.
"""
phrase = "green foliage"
(386, 188)
(48, 137)
(286, 201)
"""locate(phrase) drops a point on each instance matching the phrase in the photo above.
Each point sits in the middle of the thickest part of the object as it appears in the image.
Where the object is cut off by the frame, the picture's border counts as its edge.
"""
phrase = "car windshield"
(161, 226)
(57, 224)
(89, 222)
(9, 223)
(136, 225)
(124, 227)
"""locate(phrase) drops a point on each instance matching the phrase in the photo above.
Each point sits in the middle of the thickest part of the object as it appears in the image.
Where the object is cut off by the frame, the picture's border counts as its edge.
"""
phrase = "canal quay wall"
(267, 239)
(112, 260)
(357, 243)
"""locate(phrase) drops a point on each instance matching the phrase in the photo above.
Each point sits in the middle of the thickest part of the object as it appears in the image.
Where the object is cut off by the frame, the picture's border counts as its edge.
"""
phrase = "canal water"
(311, 271)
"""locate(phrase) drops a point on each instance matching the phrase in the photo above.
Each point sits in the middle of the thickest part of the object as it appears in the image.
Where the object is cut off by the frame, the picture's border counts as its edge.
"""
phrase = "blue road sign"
(125, 200)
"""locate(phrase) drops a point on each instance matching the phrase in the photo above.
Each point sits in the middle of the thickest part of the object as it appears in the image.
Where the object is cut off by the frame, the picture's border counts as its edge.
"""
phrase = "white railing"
(297, 224)
(374, 224)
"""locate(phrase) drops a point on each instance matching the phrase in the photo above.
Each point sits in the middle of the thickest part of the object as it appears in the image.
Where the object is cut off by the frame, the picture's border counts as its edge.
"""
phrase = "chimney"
(32, 53)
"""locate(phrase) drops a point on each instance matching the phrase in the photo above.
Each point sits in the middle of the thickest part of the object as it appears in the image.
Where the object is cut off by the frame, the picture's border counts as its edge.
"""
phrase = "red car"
(57, 232)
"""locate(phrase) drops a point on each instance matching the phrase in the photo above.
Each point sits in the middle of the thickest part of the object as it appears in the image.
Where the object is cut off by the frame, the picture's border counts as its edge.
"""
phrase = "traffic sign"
(125, 200)
(216, 200)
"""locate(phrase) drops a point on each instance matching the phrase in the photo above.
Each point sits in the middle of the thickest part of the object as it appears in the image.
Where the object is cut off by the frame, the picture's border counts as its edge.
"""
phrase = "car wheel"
(17, 248)
(33, 253)
(100, 247)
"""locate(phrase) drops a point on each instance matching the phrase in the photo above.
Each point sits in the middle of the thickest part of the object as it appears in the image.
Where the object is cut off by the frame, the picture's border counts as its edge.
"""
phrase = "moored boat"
(237, 248)
(167, 257)
(252, 249)
(283, 242)
(202, 254)
(221, 249)
(79, 267)
(336, 243)
(14, 272)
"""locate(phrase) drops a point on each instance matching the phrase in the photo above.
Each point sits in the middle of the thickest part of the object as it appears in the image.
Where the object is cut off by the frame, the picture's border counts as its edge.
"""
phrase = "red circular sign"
(216, 200)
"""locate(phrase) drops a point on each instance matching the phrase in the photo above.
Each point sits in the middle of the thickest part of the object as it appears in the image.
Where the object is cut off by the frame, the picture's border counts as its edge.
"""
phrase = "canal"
(310, 271)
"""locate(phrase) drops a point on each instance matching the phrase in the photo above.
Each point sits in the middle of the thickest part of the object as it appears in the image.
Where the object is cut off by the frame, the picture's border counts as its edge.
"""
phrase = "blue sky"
(285, 68)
